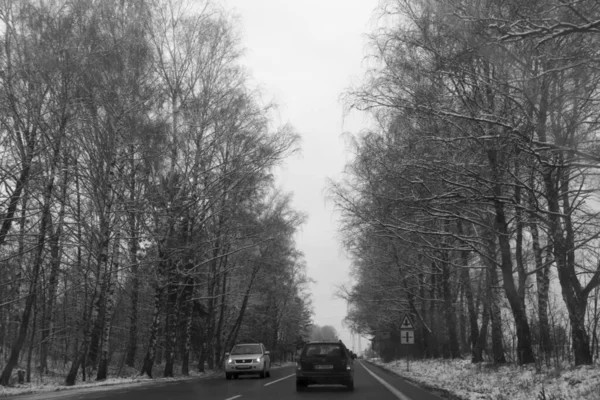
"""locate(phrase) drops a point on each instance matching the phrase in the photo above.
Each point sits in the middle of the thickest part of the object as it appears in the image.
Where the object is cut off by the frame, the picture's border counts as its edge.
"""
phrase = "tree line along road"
(371, 382)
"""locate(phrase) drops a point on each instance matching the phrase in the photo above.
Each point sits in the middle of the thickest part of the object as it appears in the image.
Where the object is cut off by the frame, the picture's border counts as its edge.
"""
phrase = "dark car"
(324, 363)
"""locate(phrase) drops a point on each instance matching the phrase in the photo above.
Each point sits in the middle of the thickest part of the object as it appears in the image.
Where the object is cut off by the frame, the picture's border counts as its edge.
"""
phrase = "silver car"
(247, 358)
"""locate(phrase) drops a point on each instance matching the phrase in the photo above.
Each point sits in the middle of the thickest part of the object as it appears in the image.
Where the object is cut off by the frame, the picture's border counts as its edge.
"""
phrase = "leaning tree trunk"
(9, 214)
(37, 265)
(81, 352)
(89, 321)
(232, 336)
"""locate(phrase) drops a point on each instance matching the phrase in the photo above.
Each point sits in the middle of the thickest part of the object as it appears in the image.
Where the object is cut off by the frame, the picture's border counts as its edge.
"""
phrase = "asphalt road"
(370, 382)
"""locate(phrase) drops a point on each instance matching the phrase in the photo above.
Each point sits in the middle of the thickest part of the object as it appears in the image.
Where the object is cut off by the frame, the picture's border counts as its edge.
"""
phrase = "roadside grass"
(461, 379)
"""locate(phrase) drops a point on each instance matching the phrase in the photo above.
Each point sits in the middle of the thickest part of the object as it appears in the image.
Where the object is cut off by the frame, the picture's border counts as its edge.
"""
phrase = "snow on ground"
(57, 384)
(468, 381)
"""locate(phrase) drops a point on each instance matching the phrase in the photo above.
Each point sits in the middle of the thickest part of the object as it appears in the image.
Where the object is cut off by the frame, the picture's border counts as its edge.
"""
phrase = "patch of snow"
(469, 381)
(56, 386)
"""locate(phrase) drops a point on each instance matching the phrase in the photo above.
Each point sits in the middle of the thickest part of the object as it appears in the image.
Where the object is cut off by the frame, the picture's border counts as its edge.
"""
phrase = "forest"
(472, 204)
(140, 225)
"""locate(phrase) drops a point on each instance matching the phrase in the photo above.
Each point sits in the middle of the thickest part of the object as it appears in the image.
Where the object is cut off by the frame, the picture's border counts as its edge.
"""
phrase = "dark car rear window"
(323, 349)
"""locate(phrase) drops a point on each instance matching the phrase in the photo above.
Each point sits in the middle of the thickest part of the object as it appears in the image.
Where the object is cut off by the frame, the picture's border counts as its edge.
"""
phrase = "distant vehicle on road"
(247, 358)
(325, 362)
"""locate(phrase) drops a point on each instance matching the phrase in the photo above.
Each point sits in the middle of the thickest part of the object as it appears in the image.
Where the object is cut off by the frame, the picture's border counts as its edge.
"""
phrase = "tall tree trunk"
(556, 184)
(496, 317)
(449, 310)
(481, 342)
(525, 353)
(187, 304)
(219, 331)
(110, 304)
(423, 314)
(171, 320)
(521, 267)
(31, 343)
(96, 330)
(434, 343)
(55, 255)
(103, 273)
(80, 351)
(14, 318)
(153, 339)
(465, 279)
(574, 295)
(473, 328)
(542, 275)
(133, 260)
(154, 327)
(212, 288)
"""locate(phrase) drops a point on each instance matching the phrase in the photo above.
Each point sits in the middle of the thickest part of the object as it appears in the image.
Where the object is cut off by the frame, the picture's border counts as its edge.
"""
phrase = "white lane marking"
(234, 397)
(389, 387)
(280, 379)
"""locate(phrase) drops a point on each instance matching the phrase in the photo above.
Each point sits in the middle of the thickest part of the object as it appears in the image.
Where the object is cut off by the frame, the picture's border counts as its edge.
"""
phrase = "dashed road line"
(234, 397)
(389, 387)
(280, 379)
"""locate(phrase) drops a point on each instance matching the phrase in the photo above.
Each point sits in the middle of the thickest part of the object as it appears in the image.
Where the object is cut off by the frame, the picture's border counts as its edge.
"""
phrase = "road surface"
(370, 382)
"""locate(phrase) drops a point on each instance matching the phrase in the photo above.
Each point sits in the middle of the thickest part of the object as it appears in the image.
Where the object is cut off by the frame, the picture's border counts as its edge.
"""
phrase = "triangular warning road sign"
(406, 323)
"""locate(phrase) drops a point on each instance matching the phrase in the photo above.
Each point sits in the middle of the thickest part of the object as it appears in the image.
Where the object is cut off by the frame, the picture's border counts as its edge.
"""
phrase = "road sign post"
(407, 336)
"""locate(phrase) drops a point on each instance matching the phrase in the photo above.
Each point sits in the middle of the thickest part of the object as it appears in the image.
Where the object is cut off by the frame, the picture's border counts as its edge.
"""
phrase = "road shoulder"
(445, 394)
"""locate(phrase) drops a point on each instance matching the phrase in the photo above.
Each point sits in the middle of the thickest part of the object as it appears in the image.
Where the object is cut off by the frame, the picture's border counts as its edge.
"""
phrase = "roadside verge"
(433, 389)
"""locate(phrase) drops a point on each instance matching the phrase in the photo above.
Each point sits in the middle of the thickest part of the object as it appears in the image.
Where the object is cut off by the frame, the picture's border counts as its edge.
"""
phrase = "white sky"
(304, 54)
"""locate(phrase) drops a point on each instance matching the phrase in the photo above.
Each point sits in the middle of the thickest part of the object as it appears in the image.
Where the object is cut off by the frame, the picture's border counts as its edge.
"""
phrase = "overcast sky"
(304, 54)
